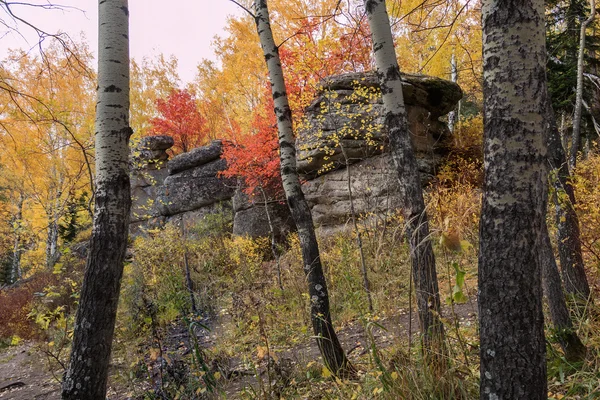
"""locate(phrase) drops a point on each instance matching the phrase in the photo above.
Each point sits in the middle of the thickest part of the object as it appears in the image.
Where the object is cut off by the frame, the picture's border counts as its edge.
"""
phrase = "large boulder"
(345, 123)
(374, 184)
(194, 181)
(148, 172)
(196, 157)
(251, 219)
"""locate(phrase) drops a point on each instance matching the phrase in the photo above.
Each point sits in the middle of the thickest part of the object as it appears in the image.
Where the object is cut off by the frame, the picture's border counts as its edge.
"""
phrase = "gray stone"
(436, 95)
(346, 118)
(159, 142)
(374, 184)
(195, 188)
(251, 218)
(195, 157)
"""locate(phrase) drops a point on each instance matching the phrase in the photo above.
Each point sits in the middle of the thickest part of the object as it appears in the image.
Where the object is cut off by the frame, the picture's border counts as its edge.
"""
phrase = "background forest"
(206, 314)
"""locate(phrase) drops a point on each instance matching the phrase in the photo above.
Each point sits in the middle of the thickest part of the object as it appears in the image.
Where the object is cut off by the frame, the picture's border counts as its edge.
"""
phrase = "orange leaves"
(255, 157)
(180, 119)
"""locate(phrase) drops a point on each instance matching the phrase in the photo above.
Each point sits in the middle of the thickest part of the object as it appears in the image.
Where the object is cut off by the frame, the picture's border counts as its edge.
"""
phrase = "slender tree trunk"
(327, 340)
(359, 242)
(186, 264)
(274, 249)
(569, 242)
(559, 313)
(87, 375)
(453, 115)
(411, 194)
(18, 226)
(512, 343)
(52, 240)
(576, 139)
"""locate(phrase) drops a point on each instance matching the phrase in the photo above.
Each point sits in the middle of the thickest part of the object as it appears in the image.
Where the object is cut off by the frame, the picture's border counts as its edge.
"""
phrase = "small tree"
(180, 118)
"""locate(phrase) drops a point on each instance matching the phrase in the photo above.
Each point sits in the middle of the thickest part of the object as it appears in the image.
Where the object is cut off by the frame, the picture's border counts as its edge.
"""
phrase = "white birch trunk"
(327, 340)
(576, 139)
(413, 205)
(512, 343)
(87, 375)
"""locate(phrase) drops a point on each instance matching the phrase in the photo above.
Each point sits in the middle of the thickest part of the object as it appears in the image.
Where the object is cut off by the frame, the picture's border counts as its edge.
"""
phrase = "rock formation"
(343, 140)
(341, 143)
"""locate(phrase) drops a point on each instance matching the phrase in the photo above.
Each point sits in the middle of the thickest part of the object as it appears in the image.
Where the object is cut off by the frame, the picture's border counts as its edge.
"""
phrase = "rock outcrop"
(342, 144)
(345, 125)
(187, 186)
(250, 218)
(148, 172)
(344, 138)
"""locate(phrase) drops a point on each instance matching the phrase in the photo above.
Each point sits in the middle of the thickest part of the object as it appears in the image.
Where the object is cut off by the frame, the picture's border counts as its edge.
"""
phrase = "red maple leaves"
(255, 157)
(180, 119)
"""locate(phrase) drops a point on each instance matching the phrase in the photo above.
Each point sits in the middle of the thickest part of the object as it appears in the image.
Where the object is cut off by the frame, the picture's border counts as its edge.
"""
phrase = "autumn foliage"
(255, 157)
(180, 119)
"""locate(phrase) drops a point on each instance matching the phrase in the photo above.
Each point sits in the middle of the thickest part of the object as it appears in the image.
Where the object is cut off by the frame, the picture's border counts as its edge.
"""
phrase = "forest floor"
(24, 373)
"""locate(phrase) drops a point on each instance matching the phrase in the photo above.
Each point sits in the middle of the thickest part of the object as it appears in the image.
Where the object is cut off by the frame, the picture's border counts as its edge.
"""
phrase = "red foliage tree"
(180, 118)
(255, 157)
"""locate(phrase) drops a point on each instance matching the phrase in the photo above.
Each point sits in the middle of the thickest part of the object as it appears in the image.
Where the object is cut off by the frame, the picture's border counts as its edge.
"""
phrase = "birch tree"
(512, 343)
(411, 194)
(327, 340)
(579, 92)
(87, 375)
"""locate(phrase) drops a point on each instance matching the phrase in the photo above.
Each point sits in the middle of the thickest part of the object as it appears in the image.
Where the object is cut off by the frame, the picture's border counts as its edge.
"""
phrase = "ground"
(24, 373)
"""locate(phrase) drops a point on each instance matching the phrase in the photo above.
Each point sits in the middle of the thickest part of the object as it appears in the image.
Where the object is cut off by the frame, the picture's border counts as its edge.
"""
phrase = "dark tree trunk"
(512, 343)
(413, 205)
(327, 340)
(569, 242)
(559, 313)
(87, 375)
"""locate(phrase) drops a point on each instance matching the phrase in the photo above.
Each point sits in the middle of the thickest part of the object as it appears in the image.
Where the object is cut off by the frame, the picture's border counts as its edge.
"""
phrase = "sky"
(185, 28)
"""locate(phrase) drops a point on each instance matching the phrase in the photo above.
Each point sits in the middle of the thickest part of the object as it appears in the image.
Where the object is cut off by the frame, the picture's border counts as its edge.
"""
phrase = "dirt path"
(24, 371)
(24, 375)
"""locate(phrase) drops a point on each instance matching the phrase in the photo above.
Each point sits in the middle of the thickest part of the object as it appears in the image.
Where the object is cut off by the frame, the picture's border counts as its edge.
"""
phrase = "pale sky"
(184, 28)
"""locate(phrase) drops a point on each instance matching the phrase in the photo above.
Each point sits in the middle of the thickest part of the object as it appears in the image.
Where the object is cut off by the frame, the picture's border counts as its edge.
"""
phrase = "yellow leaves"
(262, 352)
(326, 373)
(154, 354)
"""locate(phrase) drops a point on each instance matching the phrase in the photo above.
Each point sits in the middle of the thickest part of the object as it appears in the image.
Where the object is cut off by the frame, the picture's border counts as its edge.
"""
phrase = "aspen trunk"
(87, 375)
(512, 342)
(569, 242)
(559, 313)
(327, 340)
(18, 224)
(411, 194)
(576, 139)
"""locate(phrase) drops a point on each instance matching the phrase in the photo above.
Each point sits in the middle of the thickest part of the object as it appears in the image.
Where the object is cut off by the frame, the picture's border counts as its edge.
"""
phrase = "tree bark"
(18, 226)
(559, 313)
(87, 375)
(575, 140)
(327, 340)
(512, 343)
(411, 194)
(569, 242)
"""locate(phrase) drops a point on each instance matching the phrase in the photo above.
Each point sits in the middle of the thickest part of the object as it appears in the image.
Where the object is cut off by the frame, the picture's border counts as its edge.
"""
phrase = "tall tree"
(568, 232)
(327, 340)
(579, 92)
(512, 343)
(413, 205)
(87, 375)
(180, 119)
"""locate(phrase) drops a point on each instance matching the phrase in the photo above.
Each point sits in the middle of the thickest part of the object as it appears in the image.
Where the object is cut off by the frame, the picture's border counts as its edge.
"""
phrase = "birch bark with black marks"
(334, 356)
(576, 138)
(87, 375)
(411, 194)
(569, 236)
(512, 342)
